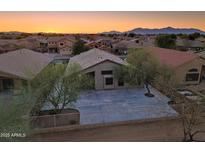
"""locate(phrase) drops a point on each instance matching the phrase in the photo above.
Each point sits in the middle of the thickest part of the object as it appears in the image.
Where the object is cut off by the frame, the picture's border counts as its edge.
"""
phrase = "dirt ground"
(198, 88)
(160, 130)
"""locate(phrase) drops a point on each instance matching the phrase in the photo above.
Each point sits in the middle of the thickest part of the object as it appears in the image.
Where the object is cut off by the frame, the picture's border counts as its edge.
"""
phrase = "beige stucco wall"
(182, 70)
(99, 80)
(18, 83)
(1, 85)
(203, 70)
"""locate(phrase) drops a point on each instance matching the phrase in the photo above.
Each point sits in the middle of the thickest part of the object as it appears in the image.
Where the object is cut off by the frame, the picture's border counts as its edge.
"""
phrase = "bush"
(79, 47)
(166, 41)
(194, 36)
(14, 117)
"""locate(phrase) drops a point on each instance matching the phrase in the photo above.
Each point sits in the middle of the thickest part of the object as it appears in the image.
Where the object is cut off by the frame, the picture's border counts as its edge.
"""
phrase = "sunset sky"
(93, 22)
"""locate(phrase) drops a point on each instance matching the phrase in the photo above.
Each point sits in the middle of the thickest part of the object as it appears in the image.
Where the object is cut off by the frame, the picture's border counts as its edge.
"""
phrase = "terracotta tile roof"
(23, 63)
(60, 38)
(172, 57)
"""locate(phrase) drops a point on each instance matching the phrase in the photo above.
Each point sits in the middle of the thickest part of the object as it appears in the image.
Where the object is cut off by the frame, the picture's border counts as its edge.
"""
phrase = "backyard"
(107, 106)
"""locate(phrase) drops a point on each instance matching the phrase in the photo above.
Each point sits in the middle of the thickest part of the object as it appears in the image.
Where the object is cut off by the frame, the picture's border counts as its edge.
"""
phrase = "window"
(8, 84)
(107, 72)
(193, 70)
(61, 44)
(109, 81)
(192, 77)
(120, 82)
(91, 74)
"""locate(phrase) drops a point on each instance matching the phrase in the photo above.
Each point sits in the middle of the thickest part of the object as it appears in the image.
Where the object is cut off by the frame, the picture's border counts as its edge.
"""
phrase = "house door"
(108, 82)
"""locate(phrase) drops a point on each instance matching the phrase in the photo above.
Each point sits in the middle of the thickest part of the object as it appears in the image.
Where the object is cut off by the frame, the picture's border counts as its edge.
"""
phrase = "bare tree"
(193, 121)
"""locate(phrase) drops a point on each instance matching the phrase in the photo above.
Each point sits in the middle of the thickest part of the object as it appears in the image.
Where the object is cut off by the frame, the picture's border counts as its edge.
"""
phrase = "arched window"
(192, 75)
(193, 70)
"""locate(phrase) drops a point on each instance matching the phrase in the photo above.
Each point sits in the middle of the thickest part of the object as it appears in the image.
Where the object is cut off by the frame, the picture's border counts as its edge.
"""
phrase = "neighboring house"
(101, 65)
(103, 44)
(202, 55)
(60, 45)
(187, 66)
(197, 45)
(122, 47)
(61, 59)
(43, 43)
(20, 66)
(2, 50)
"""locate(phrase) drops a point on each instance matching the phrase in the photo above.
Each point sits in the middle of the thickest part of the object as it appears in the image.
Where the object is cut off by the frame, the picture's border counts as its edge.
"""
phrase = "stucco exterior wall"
(99, 79)
(182, 70)
(203, 70)
(1, 85)
(18, 83)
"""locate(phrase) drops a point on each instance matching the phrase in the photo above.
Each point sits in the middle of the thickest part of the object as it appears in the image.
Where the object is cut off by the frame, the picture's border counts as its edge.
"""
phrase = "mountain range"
(166, 30)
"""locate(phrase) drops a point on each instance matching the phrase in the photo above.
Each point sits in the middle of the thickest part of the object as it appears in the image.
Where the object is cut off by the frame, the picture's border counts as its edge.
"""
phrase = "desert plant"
(79, 47)
(60, 85)
(14, 117)
(166, 41)
(142, 68)
(193, 121)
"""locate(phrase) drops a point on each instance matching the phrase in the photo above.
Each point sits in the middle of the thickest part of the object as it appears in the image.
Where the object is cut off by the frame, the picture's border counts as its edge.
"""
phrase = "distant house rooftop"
(23, 63)
(93, 57)
(59, 38)
(190, 43)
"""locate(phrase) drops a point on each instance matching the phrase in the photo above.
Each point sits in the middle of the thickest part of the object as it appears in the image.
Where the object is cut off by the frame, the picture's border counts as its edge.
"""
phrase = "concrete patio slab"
(107, 106)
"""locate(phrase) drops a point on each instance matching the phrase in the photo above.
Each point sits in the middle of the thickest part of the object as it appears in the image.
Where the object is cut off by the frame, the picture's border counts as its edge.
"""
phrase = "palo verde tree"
(79, 47)
(166, 80)
(166, 41)
(142, 68)
(60, 85)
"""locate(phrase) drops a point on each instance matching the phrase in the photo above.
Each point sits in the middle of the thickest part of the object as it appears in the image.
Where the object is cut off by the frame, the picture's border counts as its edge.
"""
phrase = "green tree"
(79, 47)
(194, 36)
(166, 79)
(166, 41)
(142, 68)
(14, 117)
(60, 85)
(131, 35)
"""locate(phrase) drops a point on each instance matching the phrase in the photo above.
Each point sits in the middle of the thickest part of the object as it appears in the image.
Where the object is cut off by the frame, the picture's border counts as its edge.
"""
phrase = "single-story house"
(101, 65)
(18, 67)
(122, 47)
(191, 45)
(187, 65)
(202, 55)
